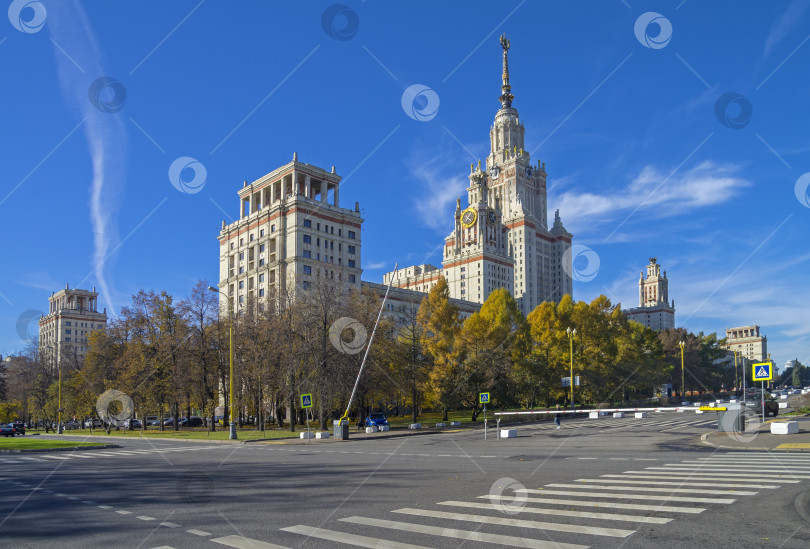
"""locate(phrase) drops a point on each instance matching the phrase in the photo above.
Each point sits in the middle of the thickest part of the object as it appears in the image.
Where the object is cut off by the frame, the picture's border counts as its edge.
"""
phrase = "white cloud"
(786, 23)
(707, 184)
(438, 191)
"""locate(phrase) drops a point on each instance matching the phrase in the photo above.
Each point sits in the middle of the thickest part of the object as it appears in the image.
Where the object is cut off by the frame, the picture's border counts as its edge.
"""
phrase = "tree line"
(172, 358)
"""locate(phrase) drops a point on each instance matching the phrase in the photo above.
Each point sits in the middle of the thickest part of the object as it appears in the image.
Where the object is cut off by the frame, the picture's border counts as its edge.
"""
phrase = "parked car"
(18, 426)
(375, 419)
(194, 421)
(70, 425)
(7, 430)
(136, 424)
(94, 422)
(771, 406)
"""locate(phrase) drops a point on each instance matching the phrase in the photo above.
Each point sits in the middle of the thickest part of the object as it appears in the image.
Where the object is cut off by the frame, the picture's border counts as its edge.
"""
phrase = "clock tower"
(502, 237)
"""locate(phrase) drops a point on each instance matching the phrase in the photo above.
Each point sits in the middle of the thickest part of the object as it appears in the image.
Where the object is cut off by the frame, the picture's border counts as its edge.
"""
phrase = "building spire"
(506, 95)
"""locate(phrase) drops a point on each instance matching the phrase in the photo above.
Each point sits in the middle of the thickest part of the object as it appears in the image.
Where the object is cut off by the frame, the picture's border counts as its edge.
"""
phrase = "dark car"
(194, 421)
(19, 427)
(771, 406)
(6, 430)
(375, 419)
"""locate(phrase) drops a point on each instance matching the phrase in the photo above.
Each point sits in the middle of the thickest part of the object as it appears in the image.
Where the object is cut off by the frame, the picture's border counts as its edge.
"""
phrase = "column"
(323, 191)
(307, 186)
(337, 202)
(250, 201)
(284, 187)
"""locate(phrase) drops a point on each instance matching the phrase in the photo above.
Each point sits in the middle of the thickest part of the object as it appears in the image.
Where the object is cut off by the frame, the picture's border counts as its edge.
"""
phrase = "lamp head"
(213, 289)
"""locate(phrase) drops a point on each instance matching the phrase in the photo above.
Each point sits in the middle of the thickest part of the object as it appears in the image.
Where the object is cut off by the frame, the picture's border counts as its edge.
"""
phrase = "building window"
(307, 253)
(241, 241)
(232, 245)
(351, 263)
(251, 238)
(308, 223)
(317, 241)
(241, 284)
(261, 277)
(318, 227)
(351, 249)
(261, 233)
(307, 239)
(67, 323)
(261, 292)
(306, 285)
(67, 331)
(261, 247)
(307, 270)
(241, 270)
(352, 279)
(272, 228)
(339, 232)
(351, 234)
(261, 263)
(241, 256)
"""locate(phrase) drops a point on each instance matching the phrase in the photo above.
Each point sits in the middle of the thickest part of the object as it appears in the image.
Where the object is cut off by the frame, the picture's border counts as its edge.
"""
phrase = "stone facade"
(501, 239)
(747, 342)
(291, 229)
(72, 316)
(654, 309)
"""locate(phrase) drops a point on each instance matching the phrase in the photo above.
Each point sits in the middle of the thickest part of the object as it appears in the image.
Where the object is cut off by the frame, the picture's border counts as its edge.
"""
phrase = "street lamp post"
(571, 333)
(683, 377)
(59, 430)
(736, 382)
(232, 434)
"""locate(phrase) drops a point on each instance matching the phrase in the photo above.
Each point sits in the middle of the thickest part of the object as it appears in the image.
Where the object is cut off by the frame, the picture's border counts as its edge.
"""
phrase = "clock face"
(494, 172)
(491, 217)
(528, 172)
(468, 218)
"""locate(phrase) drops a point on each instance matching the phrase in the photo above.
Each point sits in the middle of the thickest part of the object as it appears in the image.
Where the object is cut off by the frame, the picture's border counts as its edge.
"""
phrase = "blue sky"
(647, 155)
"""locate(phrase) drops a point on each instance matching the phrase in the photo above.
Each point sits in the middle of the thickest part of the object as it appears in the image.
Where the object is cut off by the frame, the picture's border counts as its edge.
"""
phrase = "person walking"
(557, 417)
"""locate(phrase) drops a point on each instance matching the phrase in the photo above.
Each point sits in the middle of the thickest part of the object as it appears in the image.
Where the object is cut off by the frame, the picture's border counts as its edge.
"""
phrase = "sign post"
(483, 398)
(763, 371)
(306, 404)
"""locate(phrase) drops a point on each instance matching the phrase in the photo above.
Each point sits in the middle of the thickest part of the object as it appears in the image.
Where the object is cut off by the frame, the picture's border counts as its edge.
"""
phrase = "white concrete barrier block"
(640, 415)
(617, 415)
(323, 434)
(593, 415)
(384, 428)
(733, 400)
(783, 405)
(782, 397)
(508, 433)
(415, 426)
(455, 424)
(785, 427)
(698, 411)
(440, 425)
(308, 434)
(680, 410)
(371, 429)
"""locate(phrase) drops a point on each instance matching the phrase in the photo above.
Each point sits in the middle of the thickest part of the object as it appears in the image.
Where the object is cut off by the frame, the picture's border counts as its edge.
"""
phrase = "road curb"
(71, 449)
(705, 436)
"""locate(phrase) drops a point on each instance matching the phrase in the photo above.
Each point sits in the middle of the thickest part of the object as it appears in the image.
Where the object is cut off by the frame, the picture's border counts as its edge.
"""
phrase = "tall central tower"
(502, 237)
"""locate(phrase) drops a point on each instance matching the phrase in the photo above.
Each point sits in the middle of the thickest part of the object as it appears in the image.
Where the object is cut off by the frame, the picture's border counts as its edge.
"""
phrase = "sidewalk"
(763, 440)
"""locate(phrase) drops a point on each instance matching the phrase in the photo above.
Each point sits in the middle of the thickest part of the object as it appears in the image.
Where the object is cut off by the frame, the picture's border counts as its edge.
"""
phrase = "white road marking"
(198, 532)
(753, 468)
(588, 485)
(462, 534)
(348, 539)
(696, 471)
(557, 512)
(682, 482)
(630, 496)
(30, 458)
(104, 507)
(519, 523)
(602, 504)
(170, 525)
(123, 512)
(143, 517)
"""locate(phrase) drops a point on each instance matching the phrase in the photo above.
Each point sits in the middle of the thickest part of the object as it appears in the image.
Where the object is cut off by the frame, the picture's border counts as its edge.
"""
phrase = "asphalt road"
(629, 483)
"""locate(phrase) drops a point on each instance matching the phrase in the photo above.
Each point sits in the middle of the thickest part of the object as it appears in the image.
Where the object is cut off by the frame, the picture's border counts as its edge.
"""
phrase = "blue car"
(375, 419)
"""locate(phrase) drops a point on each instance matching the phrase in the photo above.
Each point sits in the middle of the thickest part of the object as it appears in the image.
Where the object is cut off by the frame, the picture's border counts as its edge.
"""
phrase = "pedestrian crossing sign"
(763, 371)
(483, 398)
(306, 401)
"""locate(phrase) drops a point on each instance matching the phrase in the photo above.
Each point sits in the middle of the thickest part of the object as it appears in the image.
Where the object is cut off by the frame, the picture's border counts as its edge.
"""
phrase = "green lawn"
(15, 443)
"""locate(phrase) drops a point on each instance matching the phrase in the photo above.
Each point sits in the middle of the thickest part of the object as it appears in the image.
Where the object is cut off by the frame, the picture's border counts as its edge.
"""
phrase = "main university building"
(291, 230)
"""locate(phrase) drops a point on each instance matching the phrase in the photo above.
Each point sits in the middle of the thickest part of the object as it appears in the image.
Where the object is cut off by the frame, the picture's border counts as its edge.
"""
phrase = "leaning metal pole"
(370, 340)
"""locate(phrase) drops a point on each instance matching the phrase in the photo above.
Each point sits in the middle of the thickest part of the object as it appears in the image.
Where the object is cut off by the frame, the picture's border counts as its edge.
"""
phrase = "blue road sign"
(763, 371)
(483, 398)
(306, 401)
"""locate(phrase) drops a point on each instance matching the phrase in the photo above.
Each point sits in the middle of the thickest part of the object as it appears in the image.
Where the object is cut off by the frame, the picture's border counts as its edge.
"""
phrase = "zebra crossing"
(612, 506)
(90, 454)
(666, 424)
